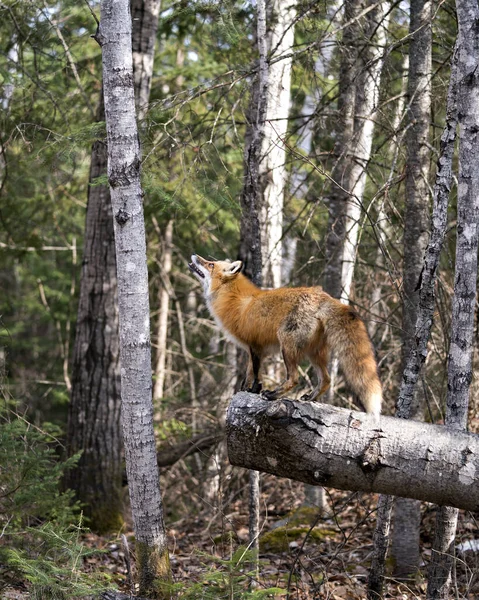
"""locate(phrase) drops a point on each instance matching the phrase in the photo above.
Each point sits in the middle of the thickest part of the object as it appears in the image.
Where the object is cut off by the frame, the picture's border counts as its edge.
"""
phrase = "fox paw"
(269, 394)
(255, 388)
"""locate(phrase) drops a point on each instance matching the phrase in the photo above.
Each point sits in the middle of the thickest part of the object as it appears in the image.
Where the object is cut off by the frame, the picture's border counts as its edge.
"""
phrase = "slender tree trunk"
(384, 230)
(367, 84)
(144, 15)
(124, 160)
(164, 305)
(459, 374)
(405, 538)
(424, 322)
(272, 168)
(362, 60)
(339, 194)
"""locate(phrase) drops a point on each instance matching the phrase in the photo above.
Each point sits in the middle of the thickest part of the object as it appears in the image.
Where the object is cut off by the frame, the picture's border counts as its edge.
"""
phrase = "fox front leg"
(251, 382)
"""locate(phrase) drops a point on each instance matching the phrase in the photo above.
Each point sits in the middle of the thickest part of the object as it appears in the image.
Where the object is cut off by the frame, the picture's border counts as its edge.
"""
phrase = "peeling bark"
(324, 445)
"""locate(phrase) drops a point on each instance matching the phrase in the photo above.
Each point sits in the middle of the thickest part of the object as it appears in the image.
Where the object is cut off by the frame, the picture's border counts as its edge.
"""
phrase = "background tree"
(407, 513)
(461, 349)
(94, 414)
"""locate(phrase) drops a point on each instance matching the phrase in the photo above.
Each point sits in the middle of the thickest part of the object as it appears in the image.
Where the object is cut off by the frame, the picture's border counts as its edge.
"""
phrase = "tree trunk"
(164, 305)
(94, 411)
(144, 16)
(124, 160)
(459, 374)
(339, 193)
(405, 538)
(384, 231)
(265, 156)
(367, 85)
(325, 445)
(272, 167)
(424, 322)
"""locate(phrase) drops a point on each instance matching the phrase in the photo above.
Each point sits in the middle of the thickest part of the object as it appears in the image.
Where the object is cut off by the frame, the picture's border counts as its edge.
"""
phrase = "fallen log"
(348, 450)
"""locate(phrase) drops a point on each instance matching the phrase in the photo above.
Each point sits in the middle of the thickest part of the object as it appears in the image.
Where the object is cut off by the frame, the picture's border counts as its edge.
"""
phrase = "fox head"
(214, 273)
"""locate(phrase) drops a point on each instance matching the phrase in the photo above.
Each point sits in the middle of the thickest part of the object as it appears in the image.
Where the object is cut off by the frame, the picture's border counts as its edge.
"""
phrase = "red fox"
(300, 321)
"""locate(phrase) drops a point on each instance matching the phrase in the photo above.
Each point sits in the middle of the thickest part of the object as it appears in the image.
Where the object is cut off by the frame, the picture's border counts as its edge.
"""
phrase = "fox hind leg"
(320, 361)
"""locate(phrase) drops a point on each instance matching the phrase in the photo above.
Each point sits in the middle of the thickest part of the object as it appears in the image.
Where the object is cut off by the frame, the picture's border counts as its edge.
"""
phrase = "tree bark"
(418, 354)
(367, 84)
(459, 374)
(164, 305)
(144, 16)
(124, 160)
(405, 538)
(94, 410)
(265, 156)
(272, 168)
(324, 445)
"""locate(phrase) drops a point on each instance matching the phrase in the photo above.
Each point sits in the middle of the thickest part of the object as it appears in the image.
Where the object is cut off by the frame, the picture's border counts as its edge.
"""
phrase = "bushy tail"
(348, 339)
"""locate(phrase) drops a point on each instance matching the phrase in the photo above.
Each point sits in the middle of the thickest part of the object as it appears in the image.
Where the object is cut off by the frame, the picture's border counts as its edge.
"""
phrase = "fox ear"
(235, 267)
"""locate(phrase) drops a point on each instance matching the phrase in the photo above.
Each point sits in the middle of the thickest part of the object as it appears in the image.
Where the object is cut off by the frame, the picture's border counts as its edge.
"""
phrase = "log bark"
(324, 445)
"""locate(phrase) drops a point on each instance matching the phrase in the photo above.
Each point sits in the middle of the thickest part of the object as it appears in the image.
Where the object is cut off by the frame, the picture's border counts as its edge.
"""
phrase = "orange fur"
(302, 322)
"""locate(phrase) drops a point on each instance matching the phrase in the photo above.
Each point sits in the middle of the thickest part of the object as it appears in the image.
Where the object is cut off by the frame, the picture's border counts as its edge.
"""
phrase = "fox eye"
(212, 265)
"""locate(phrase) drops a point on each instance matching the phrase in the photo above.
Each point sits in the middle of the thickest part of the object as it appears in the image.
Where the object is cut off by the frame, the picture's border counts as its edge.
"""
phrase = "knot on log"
(280, 412)
(369, 460)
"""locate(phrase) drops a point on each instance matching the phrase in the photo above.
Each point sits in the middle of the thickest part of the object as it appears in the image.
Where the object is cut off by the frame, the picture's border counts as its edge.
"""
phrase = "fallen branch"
(169, 455)
(334, 447)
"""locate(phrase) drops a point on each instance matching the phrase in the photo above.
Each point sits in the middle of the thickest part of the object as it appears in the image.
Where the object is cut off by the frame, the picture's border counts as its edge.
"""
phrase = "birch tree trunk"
(272, 168)
(405, 538)
(384, 231)
(362, 60)
(164, 305)
(124, 160)
(265, 154)
(459, 374)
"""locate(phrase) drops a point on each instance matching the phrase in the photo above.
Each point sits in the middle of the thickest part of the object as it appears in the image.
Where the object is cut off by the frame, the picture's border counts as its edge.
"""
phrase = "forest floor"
(308, 555)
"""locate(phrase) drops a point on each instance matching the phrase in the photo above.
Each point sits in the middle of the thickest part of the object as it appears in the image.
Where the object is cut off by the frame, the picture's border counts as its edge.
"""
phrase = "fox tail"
(348, 338)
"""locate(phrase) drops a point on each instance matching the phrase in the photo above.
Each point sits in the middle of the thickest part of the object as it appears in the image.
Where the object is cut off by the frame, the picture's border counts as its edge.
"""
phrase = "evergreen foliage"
(41, 525)
(227, 578)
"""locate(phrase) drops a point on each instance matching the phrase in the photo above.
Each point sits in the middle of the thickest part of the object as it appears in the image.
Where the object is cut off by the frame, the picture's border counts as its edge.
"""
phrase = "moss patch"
(294, 528)
(279, 539)
(154, 572)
